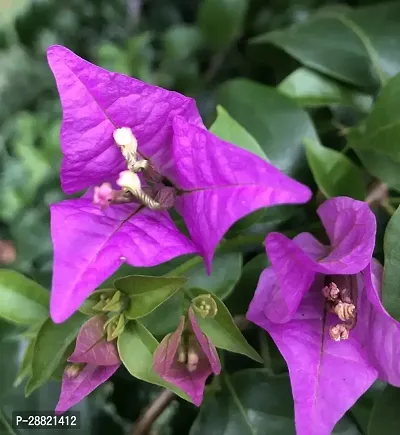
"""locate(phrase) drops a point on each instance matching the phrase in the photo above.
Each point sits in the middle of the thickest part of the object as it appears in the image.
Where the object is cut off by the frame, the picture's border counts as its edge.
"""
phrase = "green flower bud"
(205, 306)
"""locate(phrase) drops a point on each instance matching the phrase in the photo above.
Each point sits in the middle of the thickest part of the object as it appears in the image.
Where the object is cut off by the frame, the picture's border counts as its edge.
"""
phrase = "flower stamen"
(340, 302)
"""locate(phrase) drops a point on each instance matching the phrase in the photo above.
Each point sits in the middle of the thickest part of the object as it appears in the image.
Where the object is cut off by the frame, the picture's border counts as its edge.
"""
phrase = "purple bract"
(186, 358)
(321, 305)
(94, 361)
(113, 124)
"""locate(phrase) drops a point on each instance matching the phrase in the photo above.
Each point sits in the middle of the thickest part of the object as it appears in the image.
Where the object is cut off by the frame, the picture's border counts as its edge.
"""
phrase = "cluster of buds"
(340, 302)
(115, 303)
(115, 326)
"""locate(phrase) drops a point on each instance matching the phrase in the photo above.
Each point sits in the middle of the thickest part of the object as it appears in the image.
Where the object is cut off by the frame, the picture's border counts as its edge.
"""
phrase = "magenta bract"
(187, 365)
(95, 360)
(213, 182)
(321, 306)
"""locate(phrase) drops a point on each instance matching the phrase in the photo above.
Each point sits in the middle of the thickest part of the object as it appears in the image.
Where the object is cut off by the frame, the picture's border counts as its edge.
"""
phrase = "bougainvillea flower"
(321, 305)
(113, 124)
(186, 358)
(94, 360)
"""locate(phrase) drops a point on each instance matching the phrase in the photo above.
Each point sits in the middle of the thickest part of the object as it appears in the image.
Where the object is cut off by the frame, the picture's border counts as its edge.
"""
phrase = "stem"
(389, 208)
(150, 415)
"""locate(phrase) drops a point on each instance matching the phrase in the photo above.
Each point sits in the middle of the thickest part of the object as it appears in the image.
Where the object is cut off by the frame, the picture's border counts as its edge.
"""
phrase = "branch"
(154, 410)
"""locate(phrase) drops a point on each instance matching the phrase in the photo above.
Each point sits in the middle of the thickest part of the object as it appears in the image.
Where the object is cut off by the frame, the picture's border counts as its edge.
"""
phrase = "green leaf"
(221, 329)
(5, 425)
(239, 300)
(226, 128)
(312, 89)
(146, 293)
(361, 410)
(165, 318)
(226, 271)
(250, 403)
(385, 417)
(382, 127)
(391, 271)
(182, 41)
(349, 45)
(25, 368)
(51, 343)
(378, 164)
(334, 173)
(221, 21)
(136, 346)
(21, 299)
(262, 111)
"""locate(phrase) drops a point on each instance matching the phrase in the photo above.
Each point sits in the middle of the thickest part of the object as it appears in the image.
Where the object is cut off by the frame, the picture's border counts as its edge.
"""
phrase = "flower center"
(157, 194)
(340, 301)
(188, 352)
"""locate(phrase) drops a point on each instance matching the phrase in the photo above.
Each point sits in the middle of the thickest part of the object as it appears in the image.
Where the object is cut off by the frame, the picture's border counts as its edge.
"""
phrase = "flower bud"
(125, 138)
(115, 326)
(115, 304)
(129, 180)
(205, 306)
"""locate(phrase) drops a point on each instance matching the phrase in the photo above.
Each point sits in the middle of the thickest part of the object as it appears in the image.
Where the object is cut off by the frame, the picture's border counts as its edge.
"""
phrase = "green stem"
(389, 208)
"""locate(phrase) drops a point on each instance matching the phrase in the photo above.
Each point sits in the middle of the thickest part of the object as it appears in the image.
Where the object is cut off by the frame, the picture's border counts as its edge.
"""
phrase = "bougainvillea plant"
(186, 246)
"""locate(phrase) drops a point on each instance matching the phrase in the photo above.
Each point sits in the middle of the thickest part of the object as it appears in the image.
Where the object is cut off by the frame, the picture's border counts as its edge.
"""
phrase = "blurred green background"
(191, 46)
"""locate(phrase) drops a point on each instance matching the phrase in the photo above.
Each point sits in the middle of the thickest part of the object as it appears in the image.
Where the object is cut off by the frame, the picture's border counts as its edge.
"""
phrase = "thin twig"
(154, 410)
(377, 193)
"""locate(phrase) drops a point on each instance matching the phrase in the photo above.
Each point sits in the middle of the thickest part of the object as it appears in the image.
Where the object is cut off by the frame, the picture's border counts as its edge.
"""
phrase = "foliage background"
(195, 47)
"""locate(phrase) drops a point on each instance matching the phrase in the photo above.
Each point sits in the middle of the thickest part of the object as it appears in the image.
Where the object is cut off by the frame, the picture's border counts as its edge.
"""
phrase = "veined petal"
(221, 183)
(91, 346)
(351, 227)
(74, 390)
(327, 377)
(294, 263)
(95, 102)
(90, 245)
(376, 329)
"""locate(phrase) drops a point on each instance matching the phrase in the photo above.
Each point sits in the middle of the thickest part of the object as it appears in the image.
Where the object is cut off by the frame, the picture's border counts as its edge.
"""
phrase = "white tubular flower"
(125, 138)
(129, 180)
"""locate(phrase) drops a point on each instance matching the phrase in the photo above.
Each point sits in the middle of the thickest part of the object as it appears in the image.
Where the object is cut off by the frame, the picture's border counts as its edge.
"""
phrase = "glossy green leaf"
(146, 293)
(349, 45)
(263, 111)
(21, 299)
(385, 417)
(136, 346)
(166, 317)
(239, 300)
(334, 173)
(221, 21)
(381, 130)
(227, 268)
(226, 128)
(377, 163)
(312, 89)
(50, 346)
(391, 272)
(221, 329)
(250, 403)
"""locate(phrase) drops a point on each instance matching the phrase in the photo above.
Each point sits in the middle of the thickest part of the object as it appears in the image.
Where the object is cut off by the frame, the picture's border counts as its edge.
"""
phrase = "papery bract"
(91, 244)
(112, 122)
(95, 103)
(99, 359)
(328, 376)
(201, 353)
